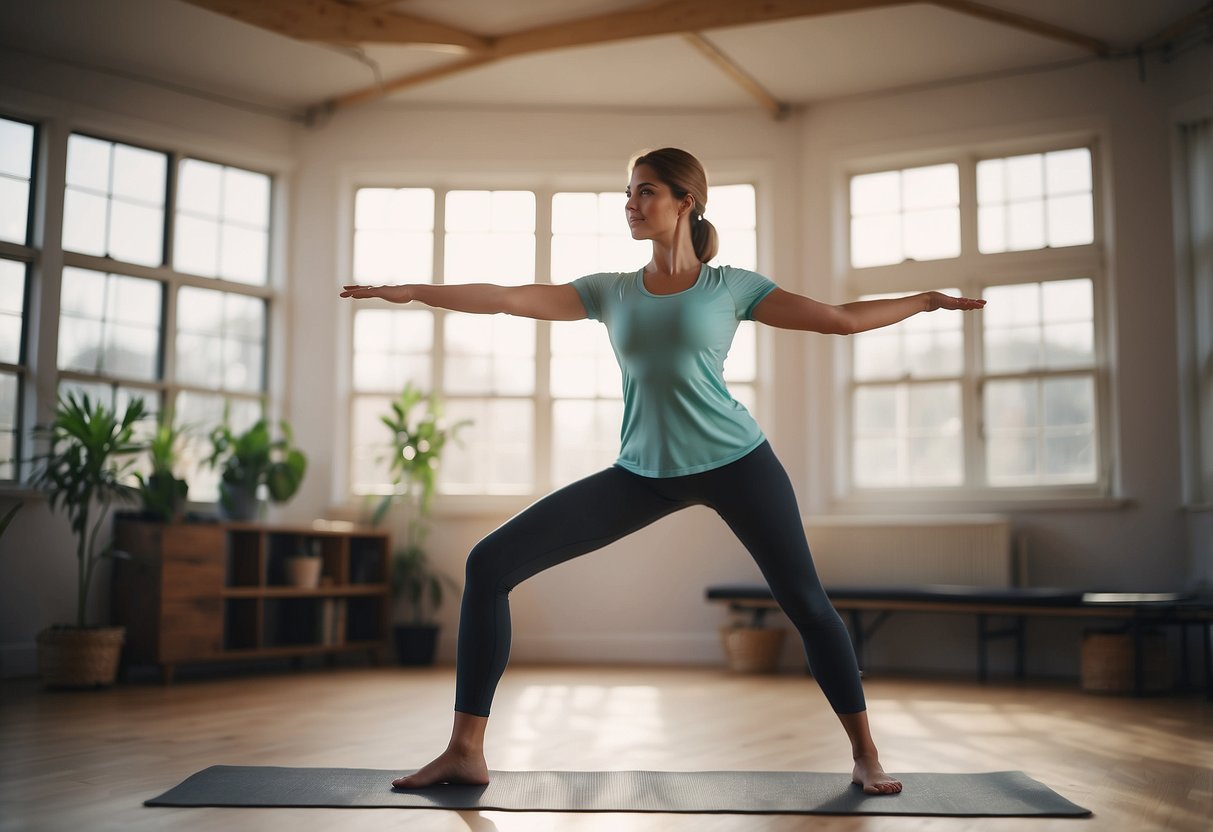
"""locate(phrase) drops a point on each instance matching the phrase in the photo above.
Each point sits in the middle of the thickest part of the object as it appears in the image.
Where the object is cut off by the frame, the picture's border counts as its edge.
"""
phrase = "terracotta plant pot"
(74, 657)
(304, 572)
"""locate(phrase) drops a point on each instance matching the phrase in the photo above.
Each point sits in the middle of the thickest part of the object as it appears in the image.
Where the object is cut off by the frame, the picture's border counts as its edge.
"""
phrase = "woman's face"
(651, 209)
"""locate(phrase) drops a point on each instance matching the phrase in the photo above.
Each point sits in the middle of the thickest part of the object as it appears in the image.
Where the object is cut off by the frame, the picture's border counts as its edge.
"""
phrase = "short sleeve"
(747, 289)
(592, 289)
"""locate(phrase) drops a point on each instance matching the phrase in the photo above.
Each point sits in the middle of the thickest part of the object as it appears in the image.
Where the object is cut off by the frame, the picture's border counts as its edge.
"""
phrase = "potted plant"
(304, 567)
(91, 451)
(253, 459)
(162, 492)
(419, 435)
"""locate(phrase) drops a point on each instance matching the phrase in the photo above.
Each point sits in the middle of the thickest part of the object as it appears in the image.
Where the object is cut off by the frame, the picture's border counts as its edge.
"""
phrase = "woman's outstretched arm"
(788, 310)
(536, 300)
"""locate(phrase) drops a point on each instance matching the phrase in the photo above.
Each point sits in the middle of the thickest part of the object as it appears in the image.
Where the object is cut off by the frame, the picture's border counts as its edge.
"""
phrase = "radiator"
(970, 550)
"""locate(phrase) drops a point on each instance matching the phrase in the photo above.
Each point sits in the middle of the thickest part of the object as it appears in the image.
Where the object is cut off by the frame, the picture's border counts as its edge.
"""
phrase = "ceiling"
(794, 61)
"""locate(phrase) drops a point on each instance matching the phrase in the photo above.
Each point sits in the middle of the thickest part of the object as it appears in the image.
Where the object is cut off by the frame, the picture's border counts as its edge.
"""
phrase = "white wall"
(642, 599)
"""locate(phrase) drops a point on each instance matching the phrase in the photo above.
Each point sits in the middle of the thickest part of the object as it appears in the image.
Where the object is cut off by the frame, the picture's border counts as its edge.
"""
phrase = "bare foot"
(871, 776)
(449, 767)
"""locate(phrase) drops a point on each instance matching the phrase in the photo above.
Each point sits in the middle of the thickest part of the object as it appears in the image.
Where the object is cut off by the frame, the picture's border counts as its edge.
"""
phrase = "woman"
(685, 442)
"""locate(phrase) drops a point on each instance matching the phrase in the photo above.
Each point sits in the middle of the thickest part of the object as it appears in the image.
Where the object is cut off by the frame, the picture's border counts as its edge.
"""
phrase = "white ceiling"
(798, 61)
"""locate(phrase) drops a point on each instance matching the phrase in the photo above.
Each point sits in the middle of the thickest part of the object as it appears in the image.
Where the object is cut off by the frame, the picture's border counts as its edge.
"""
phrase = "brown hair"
(682, 174)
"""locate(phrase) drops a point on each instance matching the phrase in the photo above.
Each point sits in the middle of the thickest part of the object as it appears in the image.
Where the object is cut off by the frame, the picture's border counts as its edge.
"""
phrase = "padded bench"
(1138, 611)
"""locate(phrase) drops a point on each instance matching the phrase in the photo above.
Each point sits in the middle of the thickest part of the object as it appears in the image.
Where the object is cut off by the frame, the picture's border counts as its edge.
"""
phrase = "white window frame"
(545, 186)
(49, 258)
(971, 272)
(28, 255)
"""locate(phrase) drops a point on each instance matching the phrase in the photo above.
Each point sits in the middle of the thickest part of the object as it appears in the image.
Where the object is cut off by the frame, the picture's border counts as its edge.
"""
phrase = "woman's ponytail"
(703, 237)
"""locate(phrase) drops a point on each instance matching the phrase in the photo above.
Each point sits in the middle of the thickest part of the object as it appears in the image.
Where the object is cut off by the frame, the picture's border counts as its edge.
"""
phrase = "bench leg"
(982, 642)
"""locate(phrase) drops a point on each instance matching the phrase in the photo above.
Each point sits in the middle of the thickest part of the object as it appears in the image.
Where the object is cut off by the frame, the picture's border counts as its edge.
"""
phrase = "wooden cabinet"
(199, 592)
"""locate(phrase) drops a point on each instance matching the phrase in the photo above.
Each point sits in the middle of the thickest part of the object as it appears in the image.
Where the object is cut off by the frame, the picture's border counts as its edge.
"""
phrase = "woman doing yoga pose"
(685, 441)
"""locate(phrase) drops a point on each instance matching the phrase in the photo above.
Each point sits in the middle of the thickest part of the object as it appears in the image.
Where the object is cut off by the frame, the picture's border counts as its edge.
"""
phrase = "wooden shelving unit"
(201, 592)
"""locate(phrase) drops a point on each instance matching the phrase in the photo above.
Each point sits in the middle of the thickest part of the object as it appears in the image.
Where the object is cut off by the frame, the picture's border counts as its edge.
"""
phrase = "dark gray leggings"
(752, 495)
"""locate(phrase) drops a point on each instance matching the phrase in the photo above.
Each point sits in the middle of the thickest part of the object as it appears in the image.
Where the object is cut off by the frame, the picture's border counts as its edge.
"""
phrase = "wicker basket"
(752, 650)
(1107, 662)
(73, 657)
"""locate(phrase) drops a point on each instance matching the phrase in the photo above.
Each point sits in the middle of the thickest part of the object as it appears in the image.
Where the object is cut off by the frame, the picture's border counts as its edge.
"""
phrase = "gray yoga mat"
(1001, 793)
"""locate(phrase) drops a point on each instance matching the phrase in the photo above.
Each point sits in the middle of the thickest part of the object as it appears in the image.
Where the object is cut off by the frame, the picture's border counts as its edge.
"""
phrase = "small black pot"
(416, 644)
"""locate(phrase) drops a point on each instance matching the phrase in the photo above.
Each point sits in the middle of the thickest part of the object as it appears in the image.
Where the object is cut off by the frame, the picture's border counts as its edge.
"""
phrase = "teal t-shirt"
(678, 416)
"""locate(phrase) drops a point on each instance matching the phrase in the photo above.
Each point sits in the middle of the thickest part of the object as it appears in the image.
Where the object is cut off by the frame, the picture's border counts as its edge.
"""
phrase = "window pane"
(392, 348)
(876, 193)
(589, 235)
(198, 187)
(136, 233)
(1033, 201)
(85, 222)
(923, 346)
(110, 324)
(1071, 222)
(14, 210)
(937, 186)
(731, 208)
(876, 241)
(10, 388)
(1036, 325)
(16, 149)
(196, 246)
(370, 445)
(220, 340)
(586, 437)
(1041, 431)
(489, 355)
(204, 412)
(494, 454)
(244, 254)
(907, 435)
(742, 361)
(393, 235)
(246, 198)
(114, 201)
(490, 237)
(16, 171)
(12, 310)
(139, 175)
(931, 235)
(88, 163)
(1068, 171)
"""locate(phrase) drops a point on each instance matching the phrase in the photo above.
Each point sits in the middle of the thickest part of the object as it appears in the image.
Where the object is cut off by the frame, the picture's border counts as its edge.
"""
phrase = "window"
(1196, 292)
(114, 204)
(17, 143)
(900, 215)
(511, 377)
(999, 399)
(118, 302)
(222, 223)
(1034, 201)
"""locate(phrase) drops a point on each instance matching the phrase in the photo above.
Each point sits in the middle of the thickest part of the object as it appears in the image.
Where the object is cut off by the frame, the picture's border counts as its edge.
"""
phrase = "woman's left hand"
(938, 300)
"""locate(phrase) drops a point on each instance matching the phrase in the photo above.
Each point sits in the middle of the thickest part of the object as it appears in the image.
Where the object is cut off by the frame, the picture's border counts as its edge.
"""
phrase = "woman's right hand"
(394, 294)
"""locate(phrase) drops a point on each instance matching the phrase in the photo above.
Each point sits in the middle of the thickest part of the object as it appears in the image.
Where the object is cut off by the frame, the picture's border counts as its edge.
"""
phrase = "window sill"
(976, 503)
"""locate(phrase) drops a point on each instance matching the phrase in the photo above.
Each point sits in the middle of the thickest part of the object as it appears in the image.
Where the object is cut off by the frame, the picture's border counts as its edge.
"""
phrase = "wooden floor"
(87, 761)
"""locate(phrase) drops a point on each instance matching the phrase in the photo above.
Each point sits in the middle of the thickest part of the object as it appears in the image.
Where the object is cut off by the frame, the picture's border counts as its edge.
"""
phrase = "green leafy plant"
(253, 458)
(162, 492)
(419, 435)
(8, 517)
(91, 452)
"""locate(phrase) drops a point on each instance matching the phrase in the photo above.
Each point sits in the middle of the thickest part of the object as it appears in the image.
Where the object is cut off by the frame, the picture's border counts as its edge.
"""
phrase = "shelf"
(298, 592)
(302, 649)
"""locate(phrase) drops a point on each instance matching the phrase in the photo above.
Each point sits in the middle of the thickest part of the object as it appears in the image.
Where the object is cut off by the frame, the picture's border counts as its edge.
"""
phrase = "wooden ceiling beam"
(743, 79)
(1027, 24)
(1172, 33)
(331, 21)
